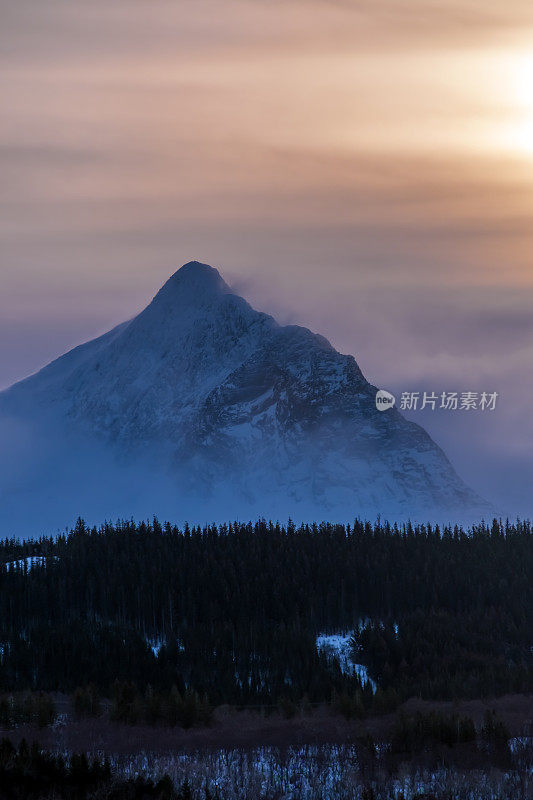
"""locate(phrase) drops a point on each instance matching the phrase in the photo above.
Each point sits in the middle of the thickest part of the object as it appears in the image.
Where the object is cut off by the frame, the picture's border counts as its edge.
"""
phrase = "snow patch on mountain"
(201, 407)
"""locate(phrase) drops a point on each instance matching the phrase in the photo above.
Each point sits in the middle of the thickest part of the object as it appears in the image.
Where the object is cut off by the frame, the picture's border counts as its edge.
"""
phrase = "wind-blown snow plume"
(201, 407)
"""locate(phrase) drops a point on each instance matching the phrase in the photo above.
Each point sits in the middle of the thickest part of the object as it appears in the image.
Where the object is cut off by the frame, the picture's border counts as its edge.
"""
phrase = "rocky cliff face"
(210, 406)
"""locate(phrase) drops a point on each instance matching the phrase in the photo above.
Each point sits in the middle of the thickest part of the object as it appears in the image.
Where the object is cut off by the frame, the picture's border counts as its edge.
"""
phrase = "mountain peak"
(236, 410)
(187, 303)
(194, 280)
(197, 270)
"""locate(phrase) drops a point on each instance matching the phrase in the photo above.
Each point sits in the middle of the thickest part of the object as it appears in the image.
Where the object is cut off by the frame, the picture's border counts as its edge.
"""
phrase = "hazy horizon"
(363, 169)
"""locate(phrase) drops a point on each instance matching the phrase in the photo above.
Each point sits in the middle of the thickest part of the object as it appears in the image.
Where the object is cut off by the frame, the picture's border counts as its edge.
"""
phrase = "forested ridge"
(236, 609)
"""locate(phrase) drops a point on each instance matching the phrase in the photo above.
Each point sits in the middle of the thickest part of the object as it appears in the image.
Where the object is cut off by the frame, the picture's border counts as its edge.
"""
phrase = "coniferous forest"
(230, 614)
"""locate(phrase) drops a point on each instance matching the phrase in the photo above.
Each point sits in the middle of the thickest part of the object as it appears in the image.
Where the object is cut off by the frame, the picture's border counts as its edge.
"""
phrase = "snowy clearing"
(30, 562)
(338, 646)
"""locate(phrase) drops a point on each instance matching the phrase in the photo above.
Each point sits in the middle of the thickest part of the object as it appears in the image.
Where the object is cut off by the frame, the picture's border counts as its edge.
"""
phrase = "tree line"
(230, 613)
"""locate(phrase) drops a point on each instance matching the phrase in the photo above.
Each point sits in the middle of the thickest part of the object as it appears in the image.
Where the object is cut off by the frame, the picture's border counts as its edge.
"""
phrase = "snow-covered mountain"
(202, 407)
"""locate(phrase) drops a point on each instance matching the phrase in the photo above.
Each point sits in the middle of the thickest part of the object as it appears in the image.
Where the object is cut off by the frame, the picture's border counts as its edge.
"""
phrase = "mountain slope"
(201, 405)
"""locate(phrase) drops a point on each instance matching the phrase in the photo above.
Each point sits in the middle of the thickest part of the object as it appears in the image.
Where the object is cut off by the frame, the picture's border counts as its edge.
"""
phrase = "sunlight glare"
(518, 134)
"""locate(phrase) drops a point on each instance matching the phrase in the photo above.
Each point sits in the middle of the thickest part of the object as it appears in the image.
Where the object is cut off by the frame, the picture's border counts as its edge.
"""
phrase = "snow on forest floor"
(30, 562)
(335, 645)
(325, 772)
(338, 645)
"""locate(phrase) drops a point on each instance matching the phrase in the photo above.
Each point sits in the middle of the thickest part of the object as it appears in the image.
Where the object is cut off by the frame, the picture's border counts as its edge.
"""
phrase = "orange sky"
(341, 162)
(179, 118)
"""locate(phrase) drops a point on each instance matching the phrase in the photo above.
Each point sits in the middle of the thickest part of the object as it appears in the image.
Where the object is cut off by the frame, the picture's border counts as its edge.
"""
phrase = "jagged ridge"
(242, 410)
